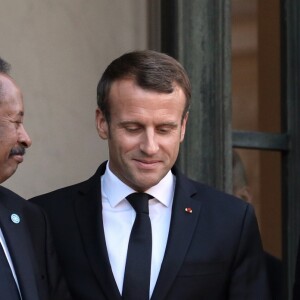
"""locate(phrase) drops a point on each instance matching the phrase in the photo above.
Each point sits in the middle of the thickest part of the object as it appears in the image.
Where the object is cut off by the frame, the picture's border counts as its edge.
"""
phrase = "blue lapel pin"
(15, 218)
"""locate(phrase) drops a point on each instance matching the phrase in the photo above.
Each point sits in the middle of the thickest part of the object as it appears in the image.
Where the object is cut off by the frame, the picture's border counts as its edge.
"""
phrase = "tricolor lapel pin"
(188, 210)
(15, 218)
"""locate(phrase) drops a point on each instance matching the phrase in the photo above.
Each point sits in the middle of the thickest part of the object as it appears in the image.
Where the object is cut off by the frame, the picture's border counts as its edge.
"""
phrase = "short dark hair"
(150, 70)
(4, 66)
(4, 69)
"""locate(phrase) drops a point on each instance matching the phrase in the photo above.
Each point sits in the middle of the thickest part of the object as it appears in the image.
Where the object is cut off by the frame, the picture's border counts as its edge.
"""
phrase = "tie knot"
(139, 201)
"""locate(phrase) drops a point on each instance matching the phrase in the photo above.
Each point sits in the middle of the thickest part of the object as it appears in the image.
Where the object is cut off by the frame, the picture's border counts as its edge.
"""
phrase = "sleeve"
(58, 289)
(296, 291)
(248, 279)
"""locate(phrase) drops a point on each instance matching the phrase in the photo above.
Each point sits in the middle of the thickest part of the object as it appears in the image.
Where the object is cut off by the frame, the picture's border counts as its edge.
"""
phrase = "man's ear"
(101, 125)
(183, 126)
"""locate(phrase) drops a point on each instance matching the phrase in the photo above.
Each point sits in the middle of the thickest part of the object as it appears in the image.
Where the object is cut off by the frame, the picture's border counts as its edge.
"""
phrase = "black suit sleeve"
(58, 287)
(248, 279)
(296, 295)
(55, 282)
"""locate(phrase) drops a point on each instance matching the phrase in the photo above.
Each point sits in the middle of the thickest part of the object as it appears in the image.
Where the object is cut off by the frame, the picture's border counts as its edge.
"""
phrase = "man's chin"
(17, 158)
(7, 173)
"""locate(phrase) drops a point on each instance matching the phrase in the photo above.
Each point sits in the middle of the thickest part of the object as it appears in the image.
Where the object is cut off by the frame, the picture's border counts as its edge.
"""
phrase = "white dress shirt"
(5, 248)
(119, 216)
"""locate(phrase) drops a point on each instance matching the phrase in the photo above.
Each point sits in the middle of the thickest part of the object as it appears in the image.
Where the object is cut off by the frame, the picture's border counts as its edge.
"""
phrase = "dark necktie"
(8, 286)
(138, 264)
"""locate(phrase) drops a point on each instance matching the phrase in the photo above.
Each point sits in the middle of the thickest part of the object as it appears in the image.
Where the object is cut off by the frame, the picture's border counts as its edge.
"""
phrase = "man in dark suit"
(204, 244)
(28, 265)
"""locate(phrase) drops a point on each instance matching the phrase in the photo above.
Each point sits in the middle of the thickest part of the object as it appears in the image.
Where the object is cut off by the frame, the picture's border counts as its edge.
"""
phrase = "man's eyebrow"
(128, 122)
(171, 124)
(168, 124)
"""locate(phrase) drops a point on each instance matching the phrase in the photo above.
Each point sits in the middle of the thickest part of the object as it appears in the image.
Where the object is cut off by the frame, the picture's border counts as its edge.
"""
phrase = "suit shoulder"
(11, 199)
(212, 197)
(5, 192)
(66, 193)
(61, 193)
(14, 201)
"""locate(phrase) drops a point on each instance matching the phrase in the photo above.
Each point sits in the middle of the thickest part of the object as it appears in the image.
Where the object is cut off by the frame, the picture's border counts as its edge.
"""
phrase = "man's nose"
(24, 138)
(149, 144)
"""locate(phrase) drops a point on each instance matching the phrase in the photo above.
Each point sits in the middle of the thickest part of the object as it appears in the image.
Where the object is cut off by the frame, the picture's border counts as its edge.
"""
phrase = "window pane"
(256, 65)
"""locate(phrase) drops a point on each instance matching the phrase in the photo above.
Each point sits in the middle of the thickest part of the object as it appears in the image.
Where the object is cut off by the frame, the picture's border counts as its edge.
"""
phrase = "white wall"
(58, 51)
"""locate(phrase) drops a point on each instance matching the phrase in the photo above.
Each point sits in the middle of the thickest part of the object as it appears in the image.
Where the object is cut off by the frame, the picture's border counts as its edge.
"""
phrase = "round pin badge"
(15, 218)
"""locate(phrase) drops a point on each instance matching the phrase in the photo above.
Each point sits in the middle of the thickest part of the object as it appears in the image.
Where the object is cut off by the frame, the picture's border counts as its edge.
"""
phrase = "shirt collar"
(163, 191)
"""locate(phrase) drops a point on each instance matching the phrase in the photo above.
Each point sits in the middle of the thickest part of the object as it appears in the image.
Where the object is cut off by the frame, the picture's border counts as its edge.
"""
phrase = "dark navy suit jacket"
(296, 295)
(31, 249)
(215, 252)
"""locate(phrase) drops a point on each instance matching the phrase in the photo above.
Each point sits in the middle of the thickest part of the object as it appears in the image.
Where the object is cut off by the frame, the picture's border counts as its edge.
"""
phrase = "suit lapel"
(89, 214)
(20, 249)
(183, 224)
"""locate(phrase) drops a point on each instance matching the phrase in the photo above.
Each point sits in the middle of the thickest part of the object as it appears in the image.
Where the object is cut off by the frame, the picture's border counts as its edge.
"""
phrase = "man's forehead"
(8, 88)
(5, 79)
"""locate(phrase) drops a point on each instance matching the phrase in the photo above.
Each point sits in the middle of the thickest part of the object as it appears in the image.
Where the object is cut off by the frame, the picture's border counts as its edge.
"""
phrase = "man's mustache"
(20, 150)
